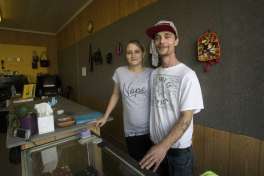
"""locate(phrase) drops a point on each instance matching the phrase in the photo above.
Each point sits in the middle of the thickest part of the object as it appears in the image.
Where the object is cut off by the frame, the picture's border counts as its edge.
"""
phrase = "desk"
(70, 108)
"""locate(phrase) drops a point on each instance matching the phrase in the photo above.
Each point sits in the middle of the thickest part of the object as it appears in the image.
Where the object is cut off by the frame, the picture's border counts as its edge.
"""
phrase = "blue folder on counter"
(92, 116)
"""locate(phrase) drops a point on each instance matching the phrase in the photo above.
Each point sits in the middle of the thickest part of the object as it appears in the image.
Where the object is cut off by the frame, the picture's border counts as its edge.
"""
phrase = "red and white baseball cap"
(160, 26)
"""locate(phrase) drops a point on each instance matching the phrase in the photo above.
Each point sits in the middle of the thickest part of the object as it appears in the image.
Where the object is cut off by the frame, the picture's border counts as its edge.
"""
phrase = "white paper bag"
(45, 118)
(45, 124)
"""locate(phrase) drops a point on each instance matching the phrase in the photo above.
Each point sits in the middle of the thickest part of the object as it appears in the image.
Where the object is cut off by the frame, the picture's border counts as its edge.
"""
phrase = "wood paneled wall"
(102, 13)
(24, 38)
(227, 154)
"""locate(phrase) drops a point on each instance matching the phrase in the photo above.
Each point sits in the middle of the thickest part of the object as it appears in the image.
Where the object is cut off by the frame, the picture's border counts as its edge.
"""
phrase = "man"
(175, 97)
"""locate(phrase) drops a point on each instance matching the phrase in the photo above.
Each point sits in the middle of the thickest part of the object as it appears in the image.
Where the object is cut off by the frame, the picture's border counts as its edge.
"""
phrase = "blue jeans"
(180, 162)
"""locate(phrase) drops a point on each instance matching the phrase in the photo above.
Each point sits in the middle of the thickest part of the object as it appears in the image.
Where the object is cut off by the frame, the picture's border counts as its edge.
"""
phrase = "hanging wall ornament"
(44, 62)
(35, 60)
(208, 46)
(2, 64)
(109, 58)
(91, 62)
(97, 57)
(119, 49)
(90, 26)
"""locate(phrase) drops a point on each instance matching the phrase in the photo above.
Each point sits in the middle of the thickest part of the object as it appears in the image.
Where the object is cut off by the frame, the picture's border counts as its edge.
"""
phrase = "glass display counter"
(70, 157)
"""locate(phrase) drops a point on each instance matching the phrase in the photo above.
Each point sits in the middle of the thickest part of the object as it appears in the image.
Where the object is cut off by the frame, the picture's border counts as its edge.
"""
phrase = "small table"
(70, 108)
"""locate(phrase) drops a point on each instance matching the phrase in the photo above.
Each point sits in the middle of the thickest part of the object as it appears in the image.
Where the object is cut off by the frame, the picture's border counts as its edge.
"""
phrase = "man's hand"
(157, 153)
(154, 157)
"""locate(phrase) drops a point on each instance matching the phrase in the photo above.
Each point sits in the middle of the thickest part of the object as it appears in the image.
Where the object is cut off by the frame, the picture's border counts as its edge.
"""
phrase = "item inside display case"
(89, 171)
(61, 171)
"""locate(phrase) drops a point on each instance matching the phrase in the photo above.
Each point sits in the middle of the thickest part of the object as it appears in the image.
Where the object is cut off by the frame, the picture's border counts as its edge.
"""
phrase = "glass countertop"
(68, 157)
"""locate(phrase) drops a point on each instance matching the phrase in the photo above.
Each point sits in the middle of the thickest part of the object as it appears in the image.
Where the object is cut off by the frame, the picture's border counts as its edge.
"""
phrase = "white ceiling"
(39, 16)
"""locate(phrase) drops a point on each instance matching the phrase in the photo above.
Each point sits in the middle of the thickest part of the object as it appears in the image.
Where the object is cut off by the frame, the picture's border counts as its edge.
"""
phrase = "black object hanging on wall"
(119, 49)
(43, 61)
(35, 60)
(97, 57)
(2, 64)
(109, 58)
(91, 62)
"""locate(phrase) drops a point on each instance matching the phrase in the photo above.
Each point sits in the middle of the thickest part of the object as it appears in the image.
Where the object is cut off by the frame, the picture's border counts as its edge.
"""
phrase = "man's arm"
(157, 153)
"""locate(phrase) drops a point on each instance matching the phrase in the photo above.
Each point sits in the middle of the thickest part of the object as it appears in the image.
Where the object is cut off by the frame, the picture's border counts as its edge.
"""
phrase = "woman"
(132, 82)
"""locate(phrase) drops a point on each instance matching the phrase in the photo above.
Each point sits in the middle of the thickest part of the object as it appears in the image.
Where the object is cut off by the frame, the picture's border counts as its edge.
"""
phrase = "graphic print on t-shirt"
(135, 88)
(166, 88)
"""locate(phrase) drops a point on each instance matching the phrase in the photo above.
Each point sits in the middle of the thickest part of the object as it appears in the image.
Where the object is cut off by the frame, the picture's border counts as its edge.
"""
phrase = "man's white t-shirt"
(173, 90)
(135, 91)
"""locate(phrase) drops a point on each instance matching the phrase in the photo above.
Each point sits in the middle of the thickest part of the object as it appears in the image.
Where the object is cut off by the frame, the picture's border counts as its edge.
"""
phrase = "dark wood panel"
(216, 151)
(227, 153)
(102, 13)
(261, 163)
(221, 152)
(244, 155)
(199, 149)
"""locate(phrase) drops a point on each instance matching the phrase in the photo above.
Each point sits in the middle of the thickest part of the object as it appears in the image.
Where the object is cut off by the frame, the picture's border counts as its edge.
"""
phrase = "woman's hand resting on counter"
(101, 121)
